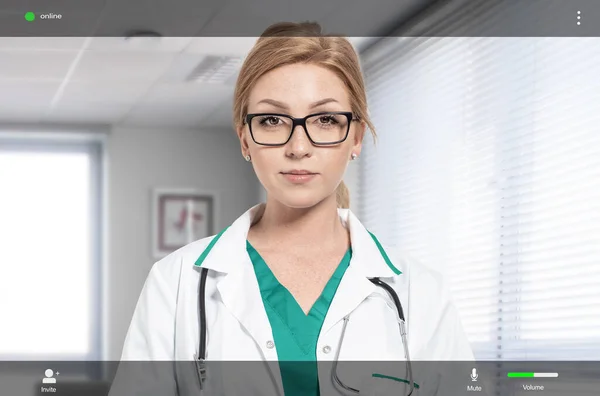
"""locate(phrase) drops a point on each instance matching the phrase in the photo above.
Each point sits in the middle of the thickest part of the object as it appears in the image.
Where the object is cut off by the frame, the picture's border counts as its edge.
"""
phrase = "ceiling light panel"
(215, 69)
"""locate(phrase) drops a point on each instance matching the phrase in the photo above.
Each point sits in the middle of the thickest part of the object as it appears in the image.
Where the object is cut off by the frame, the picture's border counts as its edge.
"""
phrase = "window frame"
(94, 147)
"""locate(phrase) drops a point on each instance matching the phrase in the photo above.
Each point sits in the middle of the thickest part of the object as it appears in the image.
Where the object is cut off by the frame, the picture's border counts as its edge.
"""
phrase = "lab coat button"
(270, 344)
(326, 349)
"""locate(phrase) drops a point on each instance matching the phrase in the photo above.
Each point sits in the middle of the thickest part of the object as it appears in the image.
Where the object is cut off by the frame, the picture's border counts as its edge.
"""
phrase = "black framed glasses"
(322, 129)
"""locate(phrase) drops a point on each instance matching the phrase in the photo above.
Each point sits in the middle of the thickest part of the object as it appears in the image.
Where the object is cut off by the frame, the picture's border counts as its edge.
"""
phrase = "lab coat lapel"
(241, 296)
(238, 289)
(353, 289)
(368, 260)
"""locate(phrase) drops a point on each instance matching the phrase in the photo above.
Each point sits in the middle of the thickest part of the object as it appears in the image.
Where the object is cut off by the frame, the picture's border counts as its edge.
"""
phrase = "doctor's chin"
(386, 198)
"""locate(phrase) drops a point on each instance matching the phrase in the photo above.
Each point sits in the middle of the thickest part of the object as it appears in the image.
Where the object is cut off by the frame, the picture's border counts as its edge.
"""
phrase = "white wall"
(139, 160)
(352, 180)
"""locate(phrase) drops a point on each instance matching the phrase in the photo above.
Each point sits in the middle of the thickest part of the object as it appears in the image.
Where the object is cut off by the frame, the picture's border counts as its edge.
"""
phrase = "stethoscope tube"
(392, 293)
(398, 305)
(334, 374)
(202, 312)
(396, 299)
(200, 357)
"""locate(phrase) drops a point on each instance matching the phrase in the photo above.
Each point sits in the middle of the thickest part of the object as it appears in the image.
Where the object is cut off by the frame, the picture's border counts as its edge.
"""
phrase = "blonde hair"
(287, 43)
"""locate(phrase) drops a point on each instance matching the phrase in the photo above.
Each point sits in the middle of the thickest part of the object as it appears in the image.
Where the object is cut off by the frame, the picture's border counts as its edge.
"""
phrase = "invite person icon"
(49, 377)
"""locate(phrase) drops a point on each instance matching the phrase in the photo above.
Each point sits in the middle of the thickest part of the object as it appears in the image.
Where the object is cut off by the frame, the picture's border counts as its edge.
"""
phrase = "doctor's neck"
(315, 227)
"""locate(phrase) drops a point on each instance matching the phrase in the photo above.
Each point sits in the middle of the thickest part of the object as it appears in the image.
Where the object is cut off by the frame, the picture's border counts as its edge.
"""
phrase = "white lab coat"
(165, 324)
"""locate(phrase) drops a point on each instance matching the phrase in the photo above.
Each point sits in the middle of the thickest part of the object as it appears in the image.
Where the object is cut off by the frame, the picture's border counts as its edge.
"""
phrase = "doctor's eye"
(266, 121)
(329, 119)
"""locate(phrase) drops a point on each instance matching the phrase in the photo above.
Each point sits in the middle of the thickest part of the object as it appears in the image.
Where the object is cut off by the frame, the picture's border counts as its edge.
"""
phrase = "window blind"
(487, 168)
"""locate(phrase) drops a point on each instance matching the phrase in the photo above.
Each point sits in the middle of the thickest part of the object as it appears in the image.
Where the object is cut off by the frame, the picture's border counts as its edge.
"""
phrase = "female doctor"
(298, 282)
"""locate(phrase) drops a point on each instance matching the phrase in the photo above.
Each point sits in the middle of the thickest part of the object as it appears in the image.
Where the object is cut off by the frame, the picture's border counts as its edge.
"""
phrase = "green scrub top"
(295, 333)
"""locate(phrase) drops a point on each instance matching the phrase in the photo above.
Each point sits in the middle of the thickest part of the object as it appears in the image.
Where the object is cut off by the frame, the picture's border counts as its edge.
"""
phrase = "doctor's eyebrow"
(283, 106)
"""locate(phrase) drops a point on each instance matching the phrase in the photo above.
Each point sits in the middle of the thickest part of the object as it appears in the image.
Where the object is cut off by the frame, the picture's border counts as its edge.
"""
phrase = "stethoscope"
(200, 357)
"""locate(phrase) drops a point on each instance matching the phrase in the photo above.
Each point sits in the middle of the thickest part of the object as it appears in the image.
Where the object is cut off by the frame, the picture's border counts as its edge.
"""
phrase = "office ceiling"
(145, 82)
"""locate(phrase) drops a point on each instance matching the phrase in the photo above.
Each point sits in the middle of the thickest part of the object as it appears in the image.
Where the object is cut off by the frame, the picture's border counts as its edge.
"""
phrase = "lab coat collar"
(227, 250)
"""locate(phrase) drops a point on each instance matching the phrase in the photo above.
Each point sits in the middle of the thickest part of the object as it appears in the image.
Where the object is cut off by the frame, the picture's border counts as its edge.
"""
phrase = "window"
(487, 167)
(50, 194)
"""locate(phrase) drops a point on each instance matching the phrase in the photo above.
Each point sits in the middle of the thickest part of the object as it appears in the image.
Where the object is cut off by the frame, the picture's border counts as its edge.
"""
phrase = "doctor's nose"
(299, 144)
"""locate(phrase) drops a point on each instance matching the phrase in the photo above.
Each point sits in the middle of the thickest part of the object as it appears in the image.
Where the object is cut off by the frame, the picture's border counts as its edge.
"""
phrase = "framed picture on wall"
(181, 216)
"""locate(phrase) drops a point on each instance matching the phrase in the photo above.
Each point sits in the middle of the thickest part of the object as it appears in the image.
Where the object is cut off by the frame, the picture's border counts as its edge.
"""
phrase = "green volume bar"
(531, 375)
(520, 375)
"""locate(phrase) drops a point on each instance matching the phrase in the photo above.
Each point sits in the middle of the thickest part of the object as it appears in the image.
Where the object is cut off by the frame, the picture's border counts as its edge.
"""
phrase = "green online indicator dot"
(29, 17)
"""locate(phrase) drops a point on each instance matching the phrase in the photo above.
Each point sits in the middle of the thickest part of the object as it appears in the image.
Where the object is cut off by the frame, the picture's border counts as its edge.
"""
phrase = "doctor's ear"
(359, 135)
(243, 136)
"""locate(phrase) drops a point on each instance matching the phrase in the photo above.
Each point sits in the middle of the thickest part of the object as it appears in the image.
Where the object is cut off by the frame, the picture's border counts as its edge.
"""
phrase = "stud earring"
(247, 158)
(353, 156)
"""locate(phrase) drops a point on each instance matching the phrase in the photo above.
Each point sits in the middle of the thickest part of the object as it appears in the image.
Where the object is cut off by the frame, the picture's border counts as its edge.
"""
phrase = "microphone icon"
(474, 375)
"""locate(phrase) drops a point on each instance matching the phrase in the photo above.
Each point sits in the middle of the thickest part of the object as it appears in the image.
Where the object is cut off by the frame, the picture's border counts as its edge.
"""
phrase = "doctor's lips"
(299, 172)
(299, 176)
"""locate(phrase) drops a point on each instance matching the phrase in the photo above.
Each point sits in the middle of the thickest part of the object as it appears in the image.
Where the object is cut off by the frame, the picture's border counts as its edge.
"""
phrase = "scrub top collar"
(227, 250)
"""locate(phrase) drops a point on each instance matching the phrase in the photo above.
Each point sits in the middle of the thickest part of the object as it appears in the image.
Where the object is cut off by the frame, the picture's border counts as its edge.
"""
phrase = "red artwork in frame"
(181, 217)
